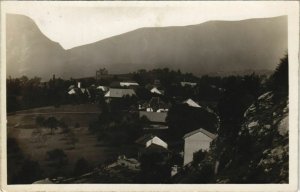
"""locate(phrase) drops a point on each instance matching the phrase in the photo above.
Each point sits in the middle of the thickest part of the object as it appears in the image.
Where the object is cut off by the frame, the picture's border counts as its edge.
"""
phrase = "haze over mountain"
(214, 47)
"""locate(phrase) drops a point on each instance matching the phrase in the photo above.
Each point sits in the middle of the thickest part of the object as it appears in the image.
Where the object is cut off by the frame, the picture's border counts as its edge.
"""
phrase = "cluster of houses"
(155, 110)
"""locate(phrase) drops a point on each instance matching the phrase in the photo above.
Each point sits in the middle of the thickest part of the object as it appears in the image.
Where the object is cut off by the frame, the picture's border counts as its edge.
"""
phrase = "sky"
(73, 24)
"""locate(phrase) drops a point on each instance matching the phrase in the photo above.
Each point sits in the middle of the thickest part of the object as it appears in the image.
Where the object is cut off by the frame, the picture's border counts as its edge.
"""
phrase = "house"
(157, 91)
(150, 144)
(119, 93)
(191, 103)
(125, 162)
(102, 88)
(149, 139)
(194, 141)
(154, 148)
(185, 83)
(83, 90)
(157, 105)
(154, 116)
(72, 91)
(127, 84)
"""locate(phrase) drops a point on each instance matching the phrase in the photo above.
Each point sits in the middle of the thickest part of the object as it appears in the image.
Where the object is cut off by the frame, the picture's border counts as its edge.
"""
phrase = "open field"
(78, 143)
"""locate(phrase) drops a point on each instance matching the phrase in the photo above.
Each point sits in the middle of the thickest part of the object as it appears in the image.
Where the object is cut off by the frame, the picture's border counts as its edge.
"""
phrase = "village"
(138, 116)
(156, 126)
(154, 111)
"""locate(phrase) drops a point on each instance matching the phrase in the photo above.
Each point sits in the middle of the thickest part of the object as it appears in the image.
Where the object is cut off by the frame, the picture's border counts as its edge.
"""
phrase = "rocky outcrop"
(266, 122)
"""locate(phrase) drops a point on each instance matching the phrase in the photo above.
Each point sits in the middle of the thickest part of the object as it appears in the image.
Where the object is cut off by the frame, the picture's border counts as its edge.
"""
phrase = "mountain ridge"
(202, 49)
(173, 26)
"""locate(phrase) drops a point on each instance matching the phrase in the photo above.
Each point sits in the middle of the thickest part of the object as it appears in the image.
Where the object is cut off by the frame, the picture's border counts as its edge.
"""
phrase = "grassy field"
(23, 128)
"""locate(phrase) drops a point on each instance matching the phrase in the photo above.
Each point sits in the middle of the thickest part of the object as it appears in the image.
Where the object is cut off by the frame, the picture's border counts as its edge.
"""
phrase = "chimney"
(79, 85)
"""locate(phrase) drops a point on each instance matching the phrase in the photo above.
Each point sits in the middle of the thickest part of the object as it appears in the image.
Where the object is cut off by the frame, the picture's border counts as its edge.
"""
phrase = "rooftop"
(154, 116)
(119, 93)
(207, 133)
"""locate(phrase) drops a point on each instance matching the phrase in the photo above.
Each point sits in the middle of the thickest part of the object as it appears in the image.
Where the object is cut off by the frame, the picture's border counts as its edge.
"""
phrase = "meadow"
(35, 141)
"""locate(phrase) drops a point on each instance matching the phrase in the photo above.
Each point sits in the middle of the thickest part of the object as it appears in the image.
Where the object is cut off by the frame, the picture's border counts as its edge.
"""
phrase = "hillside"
(29, 52)
(217, 47)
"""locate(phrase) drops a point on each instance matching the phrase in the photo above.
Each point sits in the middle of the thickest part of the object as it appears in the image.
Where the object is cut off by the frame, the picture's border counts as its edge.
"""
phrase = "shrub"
(30, 171)
(57, 157)
(81, 167)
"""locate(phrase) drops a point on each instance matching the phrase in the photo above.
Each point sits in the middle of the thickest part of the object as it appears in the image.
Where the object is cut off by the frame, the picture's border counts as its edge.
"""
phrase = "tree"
(198, 156)
(81, 167)
(183, 119)
(30, 171)
(64, 126)
(40, 121)
(155, 168)
(279, 81)
(52, 123)
(57, 157)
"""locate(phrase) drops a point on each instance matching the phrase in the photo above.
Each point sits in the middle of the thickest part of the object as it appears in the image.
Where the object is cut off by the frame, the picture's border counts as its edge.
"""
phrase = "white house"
(155, 90)
(185, 83)
(127, 84)
(72, 92)
(194, 141)
(103, 88)
(192, 103)
(119, 93)
(148, 140)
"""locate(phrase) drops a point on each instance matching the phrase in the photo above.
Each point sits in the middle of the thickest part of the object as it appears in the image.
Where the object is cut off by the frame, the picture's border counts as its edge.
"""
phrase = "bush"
(81, 167)
(198, 156)
(40, 121)
(52, 123)
(30, 171)
(57, 157)
(279, 81)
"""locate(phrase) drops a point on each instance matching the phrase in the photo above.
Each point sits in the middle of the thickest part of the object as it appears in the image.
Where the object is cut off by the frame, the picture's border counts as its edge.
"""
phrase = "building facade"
(194, 141)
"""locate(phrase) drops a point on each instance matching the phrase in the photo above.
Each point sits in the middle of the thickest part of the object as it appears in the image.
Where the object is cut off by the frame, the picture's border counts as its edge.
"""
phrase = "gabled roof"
(154, 148)
(119, 93)
(192, 103)
(155, 90)
(83, 90)
(71, 92)
(205, 132)
(143, 139)
(154, 116)
(103, 88)
(128, 83)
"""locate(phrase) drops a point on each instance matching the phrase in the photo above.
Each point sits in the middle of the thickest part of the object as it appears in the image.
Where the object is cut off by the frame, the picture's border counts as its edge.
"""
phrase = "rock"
(283, 126)
(253, 124)
(266, 96)
(267, 126)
